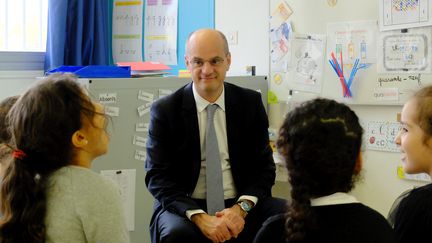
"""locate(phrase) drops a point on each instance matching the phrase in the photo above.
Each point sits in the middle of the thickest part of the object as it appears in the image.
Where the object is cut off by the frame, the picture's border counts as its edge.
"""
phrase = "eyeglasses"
(215, 62)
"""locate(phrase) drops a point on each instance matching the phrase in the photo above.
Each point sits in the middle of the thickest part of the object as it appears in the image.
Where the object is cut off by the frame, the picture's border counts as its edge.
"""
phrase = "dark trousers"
(173, 228)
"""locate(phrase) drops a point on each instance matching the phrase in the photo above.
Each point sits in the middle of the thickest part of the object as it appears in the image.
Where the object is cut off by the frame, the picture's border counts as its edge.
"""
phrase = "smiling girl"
(413, 218)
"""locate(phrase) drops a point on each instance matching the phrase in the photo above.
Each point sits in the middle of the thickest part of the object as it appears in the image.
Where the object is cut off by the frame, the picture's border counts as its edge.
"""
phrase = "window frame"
(19, 60)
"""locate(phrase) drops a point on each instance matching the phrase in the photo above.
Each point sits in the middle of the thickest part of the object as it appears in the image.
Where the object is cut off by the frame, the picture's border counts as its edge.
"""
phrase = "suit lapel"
(232, 118)
(190, 119)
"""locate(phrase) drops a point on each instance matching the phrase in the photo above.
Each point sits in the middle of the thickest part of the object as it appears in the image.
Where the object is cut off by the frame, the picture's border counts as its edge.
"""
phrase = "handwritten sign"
(406, 51)
(397, 79)
(108, 98)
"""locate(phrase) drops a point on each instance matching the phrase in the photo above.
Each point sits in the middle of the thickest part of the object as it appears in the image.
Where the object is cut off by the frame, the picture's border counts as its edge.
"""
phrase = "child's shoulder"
(420, 195)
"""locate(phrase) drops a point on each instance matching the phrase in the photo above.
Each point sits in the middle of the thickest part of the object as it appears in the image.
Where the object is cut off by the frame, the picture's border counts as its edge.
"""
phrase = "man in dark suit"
(176, 153)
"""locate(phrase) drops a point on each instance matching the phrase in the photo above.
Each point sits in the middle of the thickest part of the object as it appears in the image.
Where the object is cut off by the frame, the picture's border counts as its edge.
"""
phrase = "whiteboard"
(312, 17)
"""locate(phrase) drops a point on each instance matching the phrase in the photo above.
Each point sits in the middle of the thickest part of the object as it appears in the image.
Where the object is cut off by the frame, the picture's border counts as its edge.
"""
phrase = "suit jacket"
(174, 154)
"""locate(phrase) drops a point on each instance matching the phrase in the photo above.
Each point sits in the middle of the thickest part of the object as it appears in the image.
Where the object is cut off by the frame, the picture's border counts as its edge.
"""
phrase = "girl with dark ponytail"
(48, 193)
(320, 141)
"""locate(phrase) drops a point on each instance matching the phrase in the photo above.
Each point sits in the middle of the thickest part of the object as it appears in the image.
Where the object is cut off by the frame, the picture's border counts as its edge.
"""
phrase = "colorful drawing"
(403, 14)
(405, 5)
(280, 41)
(405, 52)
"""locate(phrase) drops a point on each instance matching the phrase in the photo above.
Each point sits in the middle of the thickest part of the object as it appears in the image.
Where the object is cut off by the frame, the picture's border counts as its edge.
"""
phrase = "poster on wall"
(127, 31)
(125, 180)
(381, 135)
(355, 40)
(403, 14)
(280, 46)
(161, 31)
(405, 51)
(280, 14)
(280, 50)
(308, 53)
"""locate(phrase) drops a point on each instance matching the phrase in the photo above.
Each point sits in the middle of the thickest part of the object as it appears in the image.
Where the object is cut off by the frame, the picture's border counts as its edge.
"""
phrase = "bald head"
(208, 59)
(206, 35)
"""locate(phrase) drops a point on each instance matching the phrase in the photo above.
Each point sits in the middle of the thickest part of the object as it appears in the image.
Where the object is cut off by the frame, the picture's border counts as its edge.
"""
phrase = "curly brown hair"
(320, 141)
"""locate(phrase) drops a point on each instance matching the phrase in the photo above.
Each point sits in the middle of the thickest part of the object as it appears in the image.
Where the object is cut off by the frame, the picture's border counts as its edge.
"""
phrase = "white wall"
(16, 82)
(380, 185)
(249, 19)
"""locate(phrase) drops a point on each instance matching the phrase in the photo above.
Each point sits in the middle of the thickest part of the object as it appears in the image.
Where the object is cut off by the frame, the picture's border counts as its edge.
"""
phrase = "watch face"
(245, 206)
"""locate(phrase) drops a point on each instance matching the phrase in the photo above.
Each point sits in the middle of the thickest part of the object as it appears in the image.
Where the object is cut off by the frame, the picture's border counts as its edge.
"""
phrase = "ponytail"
(300, 215)
(25, 206)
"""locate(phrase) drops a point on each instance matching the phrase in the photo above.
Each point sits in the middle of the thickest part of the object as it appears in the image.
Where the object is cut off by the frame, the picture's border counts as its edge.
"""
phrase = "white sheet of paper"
(140, 155)
(143, 109)
(308, 53)
(125, 179)
(112, 111)
(139, 141)
(380, 135)
(142, 127)
(146, 96)
(127, 31)
(387, 94)
(407, 52)
(161, 31)
(355, 39)
(404, 14)
(108, 98)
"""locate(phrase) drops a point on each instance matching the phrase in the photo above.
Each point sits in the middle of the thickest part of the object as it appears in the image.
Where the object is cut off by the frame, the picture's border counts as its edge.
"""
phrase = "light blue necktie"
(215, 192)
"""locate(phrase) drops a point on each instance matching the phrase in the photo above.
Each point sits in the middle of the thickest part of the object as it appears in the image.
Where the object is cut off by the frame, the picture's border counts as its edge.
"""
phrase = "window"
(23, 31)
(23, 25)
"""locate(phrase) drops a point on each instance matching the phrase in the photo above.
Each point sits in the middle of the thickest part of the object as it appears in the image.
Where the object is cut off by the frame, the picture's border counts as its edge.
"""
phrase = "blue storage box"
(94, 71)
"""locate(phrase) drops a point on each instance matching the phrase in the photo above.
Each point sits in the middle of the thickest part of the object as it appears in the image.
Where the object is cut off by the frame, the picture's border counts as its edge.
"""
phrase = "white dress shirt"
(221, 134)
(333, 199)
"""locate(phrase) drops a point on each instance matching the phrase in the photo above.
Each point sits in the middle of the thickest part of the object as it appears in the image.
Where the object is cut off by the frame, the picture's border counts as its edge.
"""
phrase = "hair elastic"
(18, 154)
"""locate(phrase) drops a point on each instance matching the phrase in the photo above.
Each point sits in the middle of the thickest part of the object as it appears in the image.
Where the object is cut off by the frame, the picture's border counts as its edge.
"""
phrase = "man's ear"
(188, 66)
(228, 59)
(79, 140)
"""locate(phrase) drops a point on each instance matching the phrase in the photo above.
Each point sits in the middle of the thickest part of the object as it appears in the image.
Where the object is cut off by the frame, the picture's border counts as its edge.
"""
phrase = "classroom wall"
(379, 184)
(249, 19)
(16, 82)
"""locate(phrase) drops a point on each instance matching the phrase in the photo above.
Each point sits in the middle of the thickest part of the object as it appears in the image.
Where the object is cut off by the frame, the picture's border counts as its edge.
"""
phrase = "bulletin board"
(310, 20)
(192, 15)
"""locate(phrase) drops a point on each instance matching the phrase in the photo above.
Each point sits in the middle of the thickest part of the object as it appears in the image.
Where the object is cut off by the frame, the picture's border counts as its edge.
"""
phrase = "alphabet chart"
(381, 136)
(161, 31)
(127, 31)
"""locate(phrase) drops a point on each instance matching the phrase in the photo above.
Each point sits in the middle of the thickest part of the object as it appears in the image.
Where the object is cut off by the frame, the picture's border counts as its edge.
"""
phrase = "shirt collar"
(334, 199)
(202, 103)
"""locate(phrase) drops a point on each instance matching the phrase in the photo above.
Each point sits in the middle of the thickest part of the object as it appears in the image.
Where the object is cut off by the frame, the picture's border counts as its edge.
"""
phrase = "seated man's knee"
(181, 233)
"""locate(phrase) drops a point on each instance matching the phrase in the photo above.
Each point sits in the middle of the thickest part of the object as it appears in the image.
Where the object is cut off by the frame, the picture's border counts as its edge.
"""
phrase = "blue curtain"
(77, 33)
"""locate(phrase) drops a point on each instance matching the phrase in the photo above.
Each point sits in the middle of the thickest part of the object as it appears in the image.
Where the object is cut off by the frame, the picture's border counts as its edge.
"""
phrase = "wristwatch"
(245, 206)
